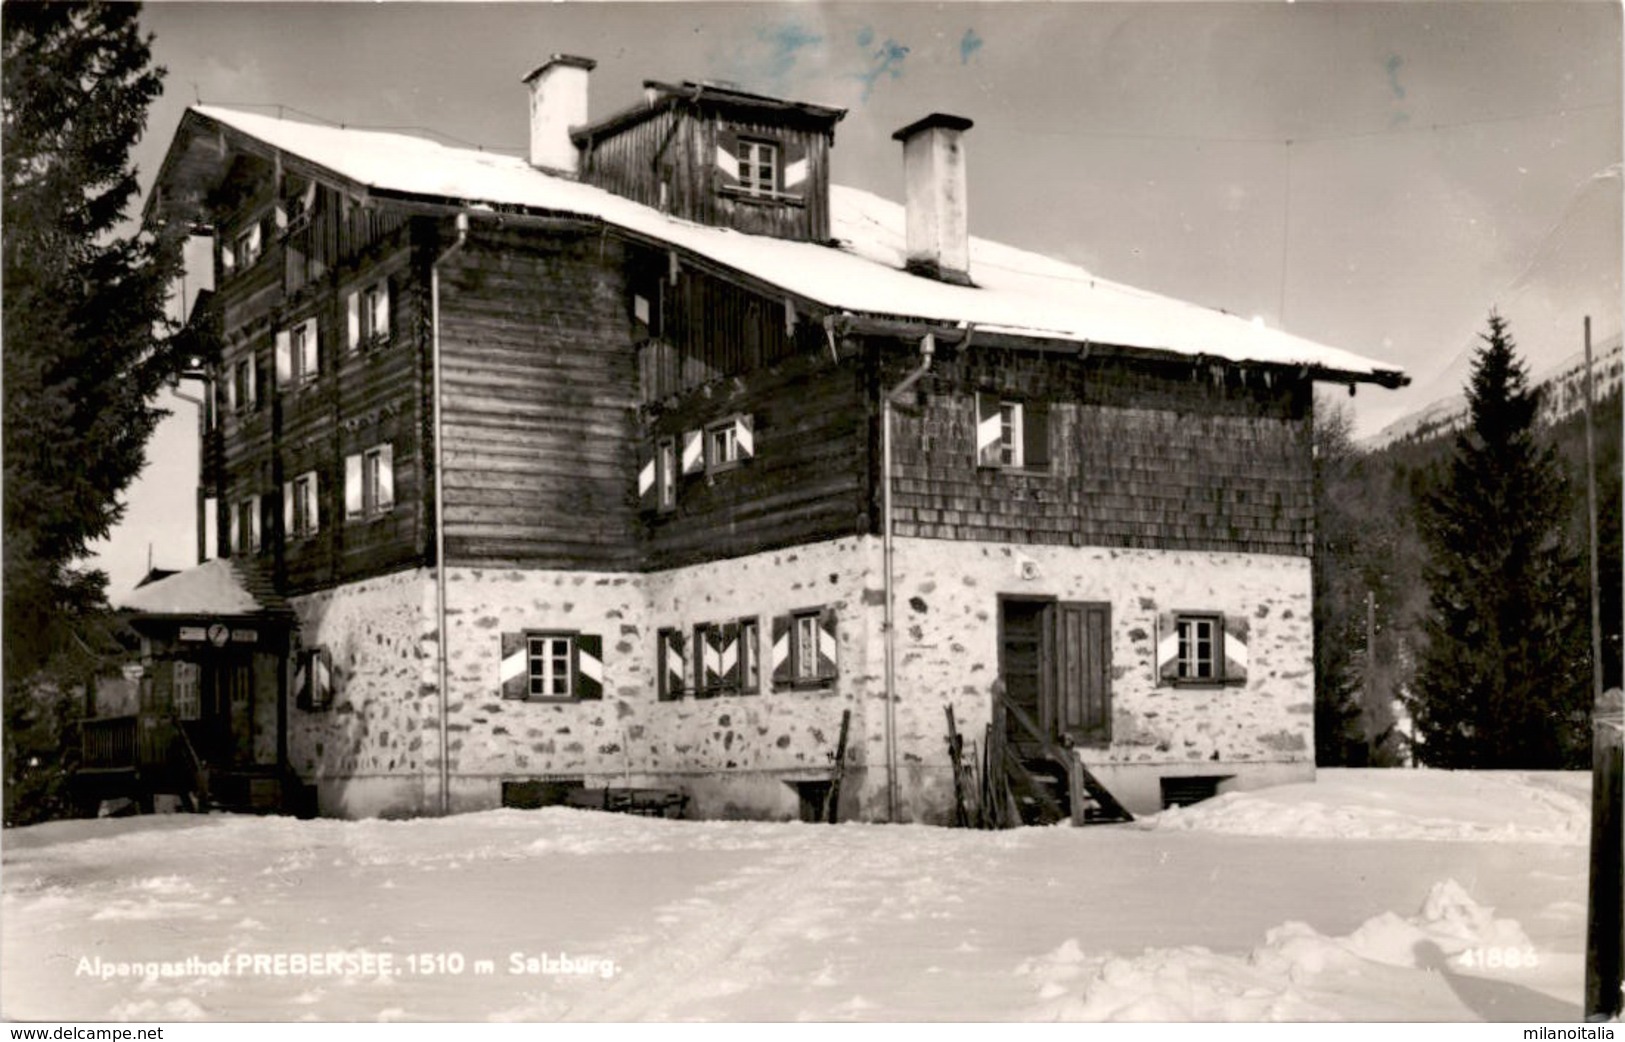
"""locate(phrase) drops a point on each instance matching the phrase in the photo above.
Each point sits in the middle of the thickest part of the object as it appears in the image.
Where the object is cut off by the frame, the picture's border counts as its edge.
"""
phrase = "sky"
(1376, 177)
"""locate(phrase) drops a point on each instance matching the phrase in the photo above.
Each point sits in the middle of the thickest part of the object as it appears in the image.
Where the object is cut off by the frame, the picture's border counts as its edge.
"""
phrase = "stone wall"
(739, 755)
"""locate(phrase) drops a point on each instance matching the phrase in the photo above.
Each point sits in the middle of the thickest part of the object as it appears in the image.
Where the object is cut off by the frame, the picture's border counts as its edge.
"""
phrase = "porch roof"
(225, 586)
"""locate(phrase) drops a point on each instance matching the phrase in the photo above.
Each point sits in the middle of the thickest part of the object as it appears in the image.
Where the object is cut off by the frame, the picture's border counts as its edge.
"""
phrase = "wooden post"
(1605, 913)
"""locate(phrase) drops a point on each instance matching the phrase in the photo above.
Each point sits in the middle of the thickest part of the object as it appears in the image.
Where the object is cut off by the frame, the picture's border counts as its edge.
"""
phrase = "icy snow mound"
(1290, 977)
(1465, 806)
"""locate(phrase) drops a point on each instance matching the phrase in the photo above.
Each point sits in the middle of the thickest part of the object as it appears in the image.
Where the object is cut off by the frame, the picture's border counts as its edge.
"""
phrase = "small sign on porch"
(194, 633)
(134, 671)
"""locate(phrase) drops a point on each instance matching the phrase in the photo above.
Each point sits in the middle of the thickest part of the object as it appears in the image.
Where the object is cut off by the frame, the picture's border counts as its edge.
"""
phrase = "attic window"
(758, 167)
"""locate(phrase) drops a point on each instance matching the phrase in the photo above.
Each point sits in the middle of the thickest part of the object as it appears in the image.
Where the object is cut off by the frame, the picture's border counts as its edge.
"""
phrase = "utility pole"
(1605, 908)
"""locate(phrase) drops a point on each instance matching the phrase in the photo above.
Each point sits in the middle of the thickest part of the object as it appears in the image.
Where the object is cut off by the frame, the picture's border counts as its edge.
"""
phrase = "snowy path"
(746, 921)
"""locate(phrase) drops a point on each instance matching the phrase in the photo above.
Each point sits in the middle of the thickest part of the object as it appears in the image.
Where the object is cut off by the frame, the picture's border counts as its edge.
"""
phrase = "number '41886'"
(1507, 957)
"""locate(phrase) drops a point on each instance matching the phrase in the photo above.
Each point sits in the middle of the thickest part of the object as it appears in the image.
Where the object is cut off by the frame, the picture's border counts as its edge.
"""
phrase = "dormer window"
(758, 167)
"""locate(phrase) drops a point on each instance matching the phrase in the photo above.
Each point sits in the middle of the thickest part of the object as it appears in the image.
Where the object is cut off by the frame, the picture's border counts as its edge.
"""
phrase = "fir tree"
(1501, 677)
(85, 352)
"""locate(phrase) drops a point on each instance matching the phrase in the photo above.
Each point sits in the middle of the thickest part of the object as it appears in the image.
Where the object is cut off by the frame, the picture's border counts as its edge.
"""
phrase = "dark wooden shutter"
(827, 657)
(797, 166)
(987, 430)
(1235, 649)
(1035, 435)
(727, 158)
(648, 485)
(589, 678)
(321, 679)
(1167, 665)
(693, 452)
(514, 672)
(728, 656)
(783, 626)
(1083, 666)
(673, 665)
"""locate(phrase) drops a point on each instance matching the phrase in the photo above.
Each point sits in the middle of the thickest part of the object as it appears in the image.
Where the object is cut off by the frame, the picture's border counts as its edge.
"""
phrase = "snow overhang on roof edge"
(1020, 294)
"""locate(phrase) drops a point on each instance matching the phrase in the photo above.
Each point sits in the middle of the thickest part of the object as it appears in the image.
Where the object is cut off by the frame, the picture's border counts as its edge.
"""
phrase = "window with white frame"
(367, 312)
(550, 662)
(804, 656)
(750, 666)
(243, 390)
(1010, 433)
(1198, 647)
(666, 474)
(758, 167)
(245, 248)
(186, 699)
(369, 483)
(302, 518)
(721, 446)
(306, 356)
(245, 526)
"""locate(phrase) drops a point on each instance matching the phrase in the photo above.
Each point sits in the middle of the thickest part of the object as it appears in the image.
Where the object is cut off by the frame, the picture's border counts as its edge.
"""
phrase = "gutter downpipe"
(443, 664)
(928, 346)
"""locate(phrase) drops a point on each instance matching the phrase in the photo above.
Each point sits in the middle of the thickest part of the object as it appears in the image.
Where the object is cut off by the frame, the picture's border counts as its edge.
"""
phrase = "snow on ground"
(1369, 895)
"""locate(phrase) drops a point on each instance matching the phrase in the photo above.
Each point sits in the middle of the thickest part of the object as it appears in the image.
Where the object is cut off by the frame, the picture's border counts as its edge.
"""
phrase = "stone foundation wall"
(740, 755)
(947, 649)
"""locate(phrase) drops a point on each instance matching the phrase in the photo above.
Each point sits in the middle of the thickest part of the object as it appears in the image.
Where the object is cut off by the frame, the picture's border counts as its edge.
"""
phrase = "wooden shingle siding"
(806, 481)
(678, 147)
(1143, 455)
(540, 382)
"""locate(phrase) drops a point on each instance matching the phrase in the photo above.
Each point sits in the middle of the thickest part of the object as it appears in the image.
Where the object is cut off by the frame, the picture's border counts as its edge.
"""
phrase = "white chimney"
(558, 101)
(934, 175)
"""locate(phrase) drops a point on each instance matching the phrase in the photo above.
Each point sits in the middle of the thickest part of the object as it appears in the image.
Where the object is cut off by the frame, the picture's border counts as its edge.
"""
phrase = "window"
(1010, 436)
(243, 390)
(186, 701)
(666, 474)
(548, 668)
(1198, 647)
(672, 673)
(758, 167)
(725, 657)
(244, 249)
(298, 354)
(552, 666)
(804, 648)
(368, 315)
(245, 526)
(313, 680)
(1012, 433)
(369, 483)
(300, 516)
(750, 674)
(723, 446)
(1202, 648)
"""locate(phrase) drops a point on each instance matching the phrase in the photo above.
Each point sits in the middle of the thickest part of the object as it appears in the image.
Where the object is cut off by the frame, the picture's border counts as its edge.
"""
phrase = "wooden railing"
(108, 742)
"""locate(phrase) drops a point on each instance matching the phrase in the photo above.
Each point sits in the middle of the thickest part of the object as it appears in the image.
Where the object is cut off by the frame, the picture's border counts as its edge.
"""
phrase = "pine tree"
(1500, 681)
(85, 352)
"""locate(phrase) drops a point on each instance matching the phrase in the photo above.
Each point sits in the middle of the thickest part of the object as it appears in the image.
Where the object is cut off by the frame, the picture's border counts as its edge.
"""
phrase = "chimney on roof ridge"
(934, 179)
(558, 101)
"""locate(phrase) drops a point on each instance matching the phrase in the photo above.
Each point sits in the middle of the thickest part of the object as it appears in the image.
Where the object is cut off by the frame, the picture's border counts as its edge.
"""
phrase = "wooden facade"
(676, 156)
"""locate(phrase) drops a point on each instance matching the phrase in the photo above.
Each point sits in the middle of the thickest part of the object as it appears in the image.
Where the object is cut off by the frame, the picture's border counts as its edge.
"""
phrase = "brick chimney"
(558, 101)
(934, 175)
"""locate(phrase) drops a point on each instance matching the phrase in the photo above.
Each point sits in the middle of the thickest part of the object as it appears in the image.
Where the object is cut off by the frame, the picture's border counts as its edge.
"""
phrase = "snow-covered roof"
(1016, 292)
(217, 587)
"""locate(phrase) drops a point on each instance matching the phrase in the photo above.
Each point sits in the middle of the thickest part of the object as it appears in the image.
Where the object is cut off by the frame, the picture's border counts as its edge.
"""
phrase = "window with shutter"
(375, 313)
(1012, 433)
(1201, 649)
(352, 321)
(783, 666)
(666, 474)
(306, 351)
(551, 666)
(804, 648)
(672, 672)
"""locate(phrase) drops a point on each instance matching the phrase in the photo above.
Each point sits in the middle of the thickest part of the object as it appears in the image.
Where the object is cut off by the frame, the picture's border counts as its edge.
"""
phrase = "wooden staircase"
(1034, 780)
(141, 756)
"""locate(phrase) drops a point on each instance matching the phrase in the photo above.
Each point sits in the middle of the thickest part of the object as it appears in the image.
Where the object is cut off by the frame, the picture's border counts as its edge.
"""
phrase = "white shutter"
(693, 452)
(287, 509)
(380, 328)
(254, 240)
(795, 173)
(386, 478)
(987, 430)
(352, 307)
(253, 383)
(235, 515)
(284, 358)
(352, 487)
(254, 511)
(745, 436)
(228, 258)
(312, 498)
(311, 364)
(727, 163)
(281, 217)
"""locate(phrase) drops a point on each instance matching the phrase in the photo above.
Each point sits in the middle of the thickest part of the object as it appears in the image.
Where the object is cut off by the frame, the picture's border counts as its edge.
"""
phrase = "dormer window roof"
(724, 100)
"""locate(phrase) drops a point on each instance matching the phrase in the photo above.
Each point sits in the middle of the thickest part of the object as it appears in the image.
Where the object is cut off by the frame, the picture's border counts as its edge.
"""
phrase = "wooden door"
(227, 729)
(1082, 708)
(1025, 666)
